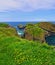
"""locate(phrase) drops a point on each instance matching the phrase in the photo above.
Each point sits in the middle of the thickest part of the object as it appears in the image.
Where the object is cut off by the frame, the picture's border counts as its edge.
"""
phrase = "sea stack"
(20, 26)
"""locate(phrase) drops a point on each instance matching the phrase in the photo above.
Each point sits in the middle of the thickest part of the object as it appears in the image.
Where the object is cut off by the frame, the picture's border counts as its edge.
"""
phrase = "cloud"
(26, 5)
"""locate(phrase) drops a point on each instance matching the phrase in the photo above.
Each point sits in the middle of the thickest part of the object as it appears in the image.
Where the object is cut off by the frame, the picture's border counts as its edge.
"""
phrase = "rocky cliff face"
(39, 31)
(47, 26)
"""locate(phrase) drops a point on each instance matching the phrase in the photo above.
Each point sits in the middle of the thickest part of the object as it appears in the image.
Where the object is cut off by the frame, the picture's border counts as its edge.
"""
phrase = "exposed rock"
(28, 36)
(20, 26)
(39, 31)
(47, 26)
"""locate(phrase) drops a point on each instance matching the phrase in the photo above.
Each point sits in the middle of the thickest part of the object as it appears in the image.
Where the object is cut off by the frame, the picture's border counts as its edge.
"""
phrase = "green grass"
(17, 51)
(7, 31)
(4, 25)
(34, 29)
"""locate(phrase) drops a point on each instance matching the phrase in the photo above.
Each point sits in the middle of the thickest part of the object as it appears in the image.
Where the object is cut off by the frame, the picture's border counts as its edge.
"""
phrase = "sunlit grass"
(17, 51)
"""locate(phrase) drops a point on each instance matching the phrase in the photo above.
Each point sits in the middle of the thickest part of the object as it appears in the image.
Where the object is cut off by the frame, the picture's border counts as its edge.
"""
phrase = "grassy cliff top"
(4, 25)
(39, 27)
(34, 29)
(6, 30)
(39, 30)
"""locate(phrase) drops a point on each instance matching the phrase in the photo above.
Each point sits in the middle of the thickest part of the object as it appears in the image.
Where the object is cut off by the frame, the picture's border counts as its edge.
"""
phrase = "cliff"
(39, 31)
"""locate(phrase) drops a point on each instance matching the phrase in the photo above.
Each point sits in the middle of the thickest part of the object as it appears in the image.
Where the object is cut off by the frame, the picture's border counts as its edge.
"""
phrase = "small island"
(20, 26)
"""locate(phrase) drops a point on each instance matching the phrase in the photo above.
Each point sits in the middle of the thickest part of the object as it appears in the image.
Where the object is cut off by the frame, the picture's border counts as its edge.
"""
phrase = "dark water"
(50, 40)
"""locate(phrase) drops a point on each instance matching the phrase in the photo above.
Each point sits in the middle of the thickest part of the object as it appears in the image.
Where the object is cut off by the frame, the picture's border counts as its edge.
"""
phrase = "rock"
(39, 31)
(28, 36)
(47, 26)
(20, 26)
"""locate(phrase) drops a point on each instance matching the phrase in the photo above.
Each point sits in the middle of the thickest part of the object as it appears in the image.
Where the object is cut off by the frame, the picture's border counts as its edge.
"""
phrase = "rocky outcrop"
(28, 36)
(39, 31)
(20, 26)
(47, 26)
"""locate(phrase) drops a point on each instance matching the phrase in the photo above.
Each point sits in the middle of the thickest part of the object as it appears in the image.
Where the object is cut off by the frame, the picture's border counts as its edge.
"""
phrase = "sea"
(23, 23)
(17, 23)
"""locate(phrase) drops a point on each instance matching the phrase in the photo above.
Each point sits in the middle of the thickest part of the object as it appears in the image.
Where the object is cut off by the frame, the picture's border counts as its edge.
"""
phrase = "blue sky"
(27, 10)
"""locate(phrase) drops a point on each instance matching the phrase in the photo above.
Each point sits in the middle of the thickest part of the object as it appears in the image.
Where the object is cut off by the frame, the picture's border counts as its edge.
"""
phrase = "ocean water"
(50, 40)
(14, 24)
(17, 23)
(23, 23)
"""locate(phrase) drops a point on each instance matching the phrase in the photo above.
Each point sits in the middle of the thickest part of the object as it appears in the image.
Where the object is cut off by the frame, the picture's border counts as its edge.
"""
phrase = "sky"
(27, 10)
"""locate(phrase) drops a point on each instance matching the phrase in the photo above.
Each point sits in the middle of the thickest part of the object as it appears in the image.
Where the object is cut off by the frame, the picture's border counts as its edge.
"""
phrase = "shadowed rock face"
(28, 36)
(39, 31)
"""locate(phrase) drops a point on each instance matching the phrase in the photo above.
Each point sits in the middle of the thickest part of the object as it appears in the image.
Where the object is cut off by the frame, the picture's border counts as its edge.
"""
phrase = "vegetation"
(7, 31)
(35, 31)
(17, 51)
(4, 25)
(39, 31)
(48, 26)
